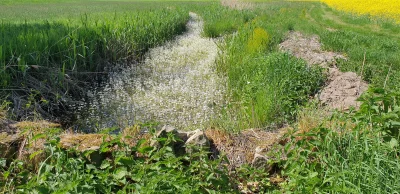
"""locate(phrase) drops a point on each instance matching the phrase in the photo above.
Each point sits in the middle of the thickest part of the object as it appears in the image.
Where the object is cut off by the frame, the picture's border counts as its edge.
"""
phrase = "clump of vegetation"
(344, 153)
(221, 21)
(259, 40)
(266, 87)
(360, 158)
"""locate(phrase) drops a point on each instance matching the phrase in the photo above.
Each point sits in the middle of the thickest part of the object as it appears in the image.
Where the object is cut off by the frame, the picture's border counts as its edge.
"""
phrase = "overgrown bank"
(368, 44)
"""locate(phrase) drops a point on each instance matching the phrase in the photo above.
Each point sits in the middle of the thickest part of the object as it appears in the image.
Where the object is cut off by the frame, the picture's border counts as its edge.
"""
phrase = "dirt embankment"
(342, 88)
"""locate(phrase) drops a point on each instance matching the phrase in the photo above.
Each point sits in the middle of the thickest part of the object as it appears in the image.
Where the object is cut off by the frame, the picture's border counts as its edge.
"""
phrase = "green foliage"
(360, 160)
(219, 21)
(266, 88)
(381, 110)
(340, 162)
(361, 37)
(156, 170)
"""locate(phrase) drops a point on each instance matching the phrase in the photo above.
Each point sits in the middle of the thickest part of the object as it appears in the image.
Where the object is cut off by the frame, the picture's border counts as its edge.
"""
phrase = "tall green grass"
(358, 153)
(220, 21)
(52, 61)
(265, 86)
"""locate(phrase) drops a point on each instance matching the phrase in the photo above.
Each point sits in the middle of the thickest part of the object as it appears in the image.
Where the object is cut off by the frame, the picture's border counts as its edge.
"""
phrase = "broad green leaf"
(39, 136)
(146, 149)
(105, 164)
(395, 123)
(90, 166)
(314, 174)
(120, 173)
(393, 143)
(127, 161)
(210, 176)
(6, 174)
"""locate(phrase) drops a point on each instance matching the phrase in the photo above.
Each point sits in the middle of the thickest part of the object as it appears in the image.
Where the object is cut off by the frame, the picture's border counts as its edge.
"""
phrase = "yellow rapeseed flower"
(380, 8)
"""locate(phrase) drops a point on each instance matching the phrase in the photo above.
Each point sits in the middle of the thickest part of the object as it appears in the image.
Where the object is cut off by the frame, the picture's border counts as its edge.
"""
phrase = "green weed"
(343, 160)
(128, 169)
(266, 86)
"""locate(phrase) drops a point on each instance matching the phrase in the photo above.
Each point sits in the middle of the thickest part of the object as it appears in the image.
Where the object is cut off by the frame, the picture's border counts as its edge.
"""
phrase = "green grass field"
(47, 47)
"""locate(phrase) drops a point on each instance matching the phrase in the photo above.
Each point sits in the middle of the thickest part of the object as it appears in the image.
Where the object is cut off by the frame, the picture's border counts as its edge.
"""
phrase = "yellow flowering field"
(381, 8)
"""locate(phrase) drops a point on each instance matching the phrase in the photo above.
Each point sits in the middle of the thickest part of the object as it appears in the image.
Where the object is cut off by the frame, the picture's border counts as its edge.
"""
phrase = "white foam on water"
(175, 85)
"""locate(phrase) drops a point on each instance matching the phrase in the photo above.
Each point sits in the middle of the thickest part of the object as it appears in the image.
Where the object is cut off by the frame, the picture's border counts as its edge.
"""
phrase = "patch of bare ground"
(342, 88)
(236, 4)
(21, 139)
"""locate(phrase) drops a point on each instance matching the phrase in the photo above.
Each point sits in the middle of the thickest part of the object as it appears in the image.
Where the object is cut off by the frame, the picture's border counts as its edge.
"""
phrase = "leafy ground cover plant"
(381, 110)
(154, 171)
(125, 168)
(346, 159)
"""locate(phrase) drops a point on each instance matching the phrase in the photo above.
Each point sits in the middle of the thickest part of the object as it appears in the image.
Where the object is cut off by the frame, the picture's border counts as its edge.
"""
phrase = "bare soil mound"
(309, 49)
(342, 89)
(342, 92)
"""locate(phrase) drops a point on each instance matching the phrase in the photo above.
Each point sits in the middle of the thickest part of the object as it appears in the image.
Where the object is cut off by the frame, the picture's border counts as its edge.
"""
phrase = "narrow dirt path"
(176, 85)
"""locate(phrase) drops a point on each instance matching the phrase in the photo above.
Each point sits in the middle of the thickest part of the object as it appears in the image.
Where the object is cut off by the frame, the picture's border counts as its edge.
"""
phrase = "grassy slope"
(351, 35)
(339, 154)
(379, 40)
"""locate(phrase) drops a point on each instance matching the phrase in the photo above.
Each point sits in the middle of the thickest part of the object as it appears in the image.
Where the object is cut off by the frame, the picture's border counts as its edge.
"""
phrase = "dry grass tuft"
(9, 145)
(2, 114)
(131, 135)
(36, 126)
(313, 117)
(19, 140)
(310, 118)
(83, 142)
(240, 148)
